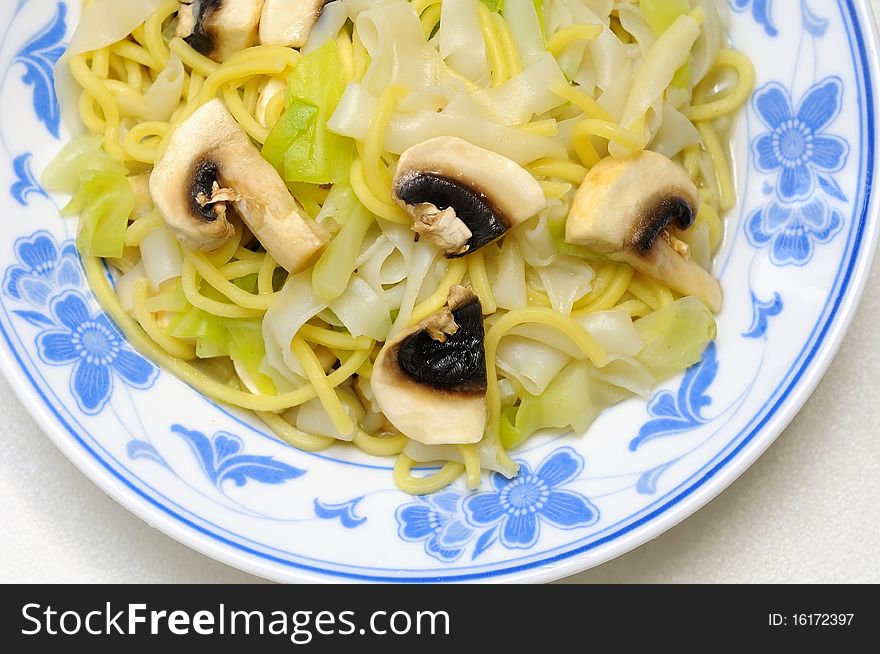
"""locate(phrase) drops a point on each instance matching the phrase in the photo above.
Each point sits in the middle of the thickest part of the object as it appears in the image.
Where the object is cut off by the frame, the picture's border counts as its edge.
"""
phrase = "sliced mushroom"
(289, 22)
(211, 166)
(624, 209)
(462, 197)
(219, 28)
(430, 381)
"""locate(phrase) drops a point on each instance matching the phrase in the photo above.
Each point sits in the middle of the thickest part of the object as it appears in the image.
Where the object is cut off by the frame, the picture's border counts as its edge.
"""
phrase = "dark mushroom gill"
(202, 40)
(474, 209)
(656, 215)
(459, 364)
(205, 174)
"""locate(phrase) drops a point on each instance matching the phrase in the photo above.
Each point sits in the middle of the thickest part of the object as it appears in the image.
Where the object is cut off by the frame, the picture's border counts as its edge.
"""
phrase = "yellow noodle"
(635, 308)
(572, 34)
(568, 326)
(129, 50)
(508, 45)
(290, 434)
(243, 116)
(390, 445)
(266, 275)
(375, 171)
(433, 304)
(472, 466)
(554, 190)
(480, 282)
(315, 373)
(390, 212)
(708, 215)
(101, 63)
(604, 129)
(189, 279)
(86, 108)
(91, 83)
(721, 165)
(432, 483)
(346, 53)
(173, 346)
(547, 127)
(192, 59)
(559, 169)
(141, 228)
(430, 19)
(609, 296)
(218, 281)
(581, 100)
(142, 141)
(494, 46)
(745, 70)
(335, 340)
(153, 32)
(651, 292)
(242, 268)
(194, 377)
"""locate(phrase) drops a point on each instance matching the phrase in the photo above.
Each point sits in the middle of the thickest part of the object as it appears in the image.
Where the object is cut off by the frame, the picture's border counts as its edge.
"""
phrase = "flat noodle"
(415, 70)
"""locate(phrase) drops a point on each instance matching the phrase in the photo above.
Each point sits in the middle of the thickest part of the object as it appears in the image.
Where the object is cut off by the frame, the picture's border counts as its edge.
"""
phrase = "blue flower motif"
(796, 145)
(39, 56)
(346, 512)
(761, 313)
(674, 413)
(96, 350)
(42, 269)
(760, 12)
(521, 505)
(26, 184)
(222, 460)
(437, 520)
(791, 230)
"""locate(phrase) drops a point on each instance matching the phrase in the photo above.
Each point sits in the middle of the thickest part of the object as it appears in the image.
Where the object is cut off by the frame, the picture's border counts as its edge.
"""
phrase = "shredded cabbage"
(300, 146)
(675, 336)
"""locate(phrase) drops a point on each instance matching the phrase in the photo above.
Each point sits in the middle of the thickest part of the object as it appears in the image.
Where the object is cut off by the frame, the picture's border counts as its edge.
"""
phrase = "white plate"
(794, 261)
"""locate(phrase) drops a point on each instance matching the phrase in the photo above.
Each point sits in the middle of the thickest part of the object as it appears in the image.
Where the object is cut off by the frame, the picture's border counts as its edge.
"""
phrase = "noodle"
(133, 98)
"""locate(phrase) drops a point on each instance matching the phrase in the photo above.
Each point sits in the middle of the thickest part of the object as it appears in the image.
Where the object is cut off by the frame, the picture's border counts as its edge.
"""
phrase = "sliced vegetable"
(300, 146)
(104, 202)
(675, 336)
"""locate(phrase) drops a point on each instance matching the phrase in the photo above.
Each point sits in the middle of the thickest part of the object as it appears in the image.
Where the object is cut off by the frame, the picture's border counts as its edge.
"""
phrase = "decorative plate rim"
(698, 490)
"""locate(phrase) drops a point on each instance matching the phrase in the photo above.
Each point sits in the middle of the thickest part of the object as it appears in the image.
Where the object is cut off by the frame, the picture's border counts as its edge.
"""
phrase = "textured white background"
(807, 511)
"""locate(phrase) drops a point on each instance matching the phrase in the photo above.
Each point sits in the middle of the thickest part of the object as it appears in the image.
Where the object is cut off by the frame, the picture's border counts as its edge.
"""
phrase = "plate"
(795, 259)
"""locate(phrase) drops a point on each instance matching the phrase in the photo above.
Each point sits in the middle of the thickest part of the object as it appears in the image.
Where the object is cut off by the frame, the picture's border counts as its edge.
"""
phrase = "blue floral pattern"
(761, 314)
(39, 56)
(681, 411)
(96, 350)
(222, 459)
(42, 268)
(446, 523)
(48, 278)
(26, 184)
(796, 144)
(345, 512)
(760, 12)
(520, 506)
(791, 231)
(438, 521)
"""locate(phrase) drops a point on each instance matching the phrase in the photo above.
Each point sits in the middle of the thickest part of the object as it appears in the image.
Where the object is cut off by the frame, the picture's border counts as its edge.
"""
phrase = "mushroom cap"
(289, 22)
(220, 28)
(210, 147)
(623, 209)
(430, 380)
(627, 203)
(490, 193)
